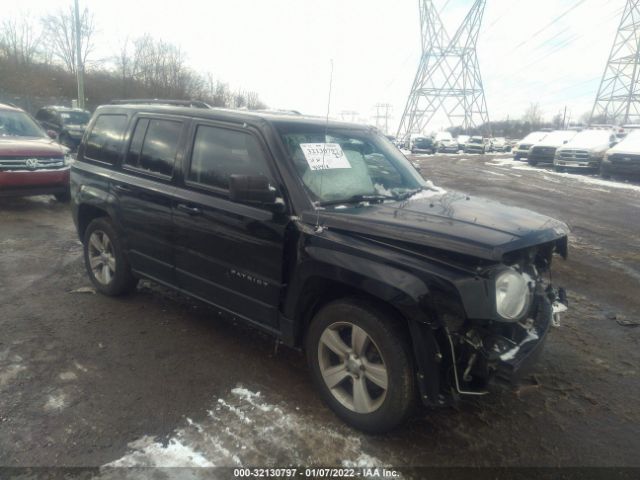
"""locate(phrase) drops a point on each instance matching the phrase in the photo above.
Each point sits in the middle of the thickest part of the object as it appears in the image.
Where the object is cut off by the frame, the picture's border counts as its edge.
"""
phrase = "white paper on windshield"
(324, 156)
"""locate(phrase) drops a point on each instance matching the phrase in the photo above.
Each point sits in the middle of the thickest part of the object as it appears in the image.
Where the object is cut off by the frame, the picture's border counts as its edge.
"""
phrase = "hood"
(449, 221)
(630, 146)
(587, 142)
(23, 146)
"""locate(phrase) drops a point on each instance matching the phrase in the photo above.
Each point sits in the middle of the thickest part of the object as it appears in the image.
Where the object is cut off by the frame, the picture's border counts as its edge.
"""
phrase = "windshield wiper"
(408, 194)
(356, 199)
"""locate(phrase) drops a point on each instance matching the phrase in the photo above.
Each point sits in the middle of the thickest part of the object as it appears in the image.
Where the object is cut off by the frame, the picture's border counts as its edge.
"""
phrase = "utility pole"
(448, 77)
(384, 126)
(564, 118)
(79, 65)
(618, 99)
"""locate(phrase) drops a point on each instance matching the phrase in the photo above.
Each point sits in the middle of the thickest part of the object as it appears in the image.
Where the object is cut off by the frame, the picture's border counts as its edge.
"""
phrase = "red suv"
(31, 163)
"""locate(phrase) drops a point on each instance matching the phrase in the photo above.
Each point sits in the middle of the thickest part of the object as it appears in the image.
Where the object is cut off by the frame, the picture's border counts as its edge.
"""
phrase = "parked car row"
(444, 142)
(594, 149)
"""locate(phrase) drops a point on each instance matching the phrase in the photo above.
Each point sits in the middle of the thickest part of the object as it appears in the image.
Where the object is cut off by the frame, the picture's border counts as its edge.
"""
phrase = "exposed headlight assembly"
(513, 295)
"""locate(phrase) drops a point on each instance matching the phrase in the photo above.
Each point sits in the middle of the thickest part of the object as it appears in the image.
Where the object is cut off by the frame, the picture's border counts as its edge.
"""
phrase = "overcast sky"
(542, 51)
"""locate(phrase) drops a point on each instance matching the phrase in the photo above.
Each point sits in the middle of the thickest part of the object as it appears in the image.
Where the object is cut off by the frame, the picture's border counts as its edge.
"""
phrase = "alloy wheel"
(352, 367)
(102, 259)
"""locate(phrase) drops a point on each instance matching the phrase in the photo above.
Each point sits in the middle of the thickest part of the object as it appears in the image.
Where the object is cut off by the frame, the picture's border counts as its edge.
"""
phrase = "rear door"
(144, 191)
(228, 253)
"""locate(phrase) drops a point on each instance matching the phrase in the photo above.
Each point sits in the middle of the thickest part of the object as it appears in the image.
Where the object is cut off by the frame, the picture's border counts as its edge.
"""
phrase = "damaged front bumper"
(503, 354)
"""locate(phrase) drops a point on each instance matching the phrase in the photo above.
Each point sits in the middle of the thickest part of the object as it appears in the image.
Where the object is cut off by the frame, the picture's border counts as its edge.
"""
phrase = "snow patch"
(7, 374)
(245, 429)
(518, 165)
(56, 402)
(66, 376)
(149, 453)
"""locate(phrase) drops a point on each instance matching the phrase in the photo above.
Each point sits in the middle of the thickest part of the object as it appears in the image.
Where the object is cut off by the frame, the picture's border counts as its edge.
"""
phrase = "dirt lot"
(156, 379)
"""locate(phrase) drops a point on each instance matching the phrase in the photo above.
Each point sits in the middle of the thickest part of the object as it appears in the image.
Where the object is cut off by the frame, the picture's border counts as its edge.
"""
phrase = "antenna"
(324, 149)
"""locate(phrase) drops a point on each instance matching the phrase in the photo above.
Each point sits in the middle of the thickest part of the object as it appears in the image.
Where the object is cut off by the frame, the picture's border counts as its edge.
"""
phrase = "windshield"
(14, 123)
(348, 165)
(75, 118)
(534, 137)
(476, 140)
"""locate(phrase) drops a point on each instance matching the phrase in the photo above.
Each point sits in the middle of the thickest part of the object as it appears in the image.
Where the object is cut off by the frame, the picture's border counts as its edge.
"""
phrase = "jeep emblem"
(32, 163)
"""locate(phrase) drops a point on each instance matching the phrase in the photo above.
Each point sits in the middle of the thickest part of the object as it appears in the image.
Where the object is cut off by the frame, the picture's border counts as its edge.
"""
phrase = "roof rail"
(279, 112)
(160, 101)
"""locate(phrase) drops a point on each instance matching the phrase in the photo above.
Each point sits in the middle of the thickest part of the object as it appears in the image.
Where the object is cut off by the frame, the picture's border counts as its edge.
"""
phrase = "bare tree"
(60, 32)
(239, 99)
(19, 40)
(254, 102)
(533, 115)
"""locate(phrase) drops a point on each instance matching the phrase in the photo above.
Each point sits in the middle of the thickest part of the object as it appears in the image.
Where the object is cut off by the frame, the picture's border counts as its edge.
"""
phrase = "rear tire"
(361, 364)
(104, 258)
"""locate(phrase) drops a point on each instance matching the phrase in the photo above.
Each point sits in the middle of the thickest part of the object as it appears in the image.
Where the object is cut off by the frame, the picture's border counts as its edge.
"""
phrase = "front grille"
(624, 159)
(574, 155)
(543, 150)
(30, 163)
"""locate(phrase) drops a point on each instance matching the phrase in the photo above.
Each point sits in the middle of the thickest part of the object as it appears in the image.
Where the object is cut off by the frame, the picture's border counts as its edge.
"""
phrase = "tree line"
(532, 120)
(38, 61)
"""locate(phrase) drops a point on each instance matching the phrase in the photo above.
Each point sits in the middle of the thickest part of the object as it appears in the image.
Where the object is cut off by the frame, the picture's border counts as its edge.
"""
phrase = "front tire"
(361, 364)
(104, 258)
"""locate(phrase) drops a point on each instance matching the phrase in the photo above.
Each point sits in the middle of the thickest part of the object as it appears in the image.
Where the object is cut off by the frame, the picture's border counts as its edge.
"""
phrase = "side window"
(154, 146)
(219, 153)
(105, 140)
(41, 115)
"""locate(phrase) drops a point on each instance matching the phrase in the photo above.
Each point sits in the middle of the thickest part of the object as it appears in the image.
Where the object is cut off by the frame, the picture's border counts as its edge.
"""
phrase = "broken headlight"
(513, 295)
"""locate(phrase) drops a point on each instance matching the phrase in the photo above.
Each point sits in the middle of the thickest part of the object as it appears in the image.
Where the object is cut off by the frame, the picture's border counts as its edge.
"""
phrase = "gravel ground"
(154, 379)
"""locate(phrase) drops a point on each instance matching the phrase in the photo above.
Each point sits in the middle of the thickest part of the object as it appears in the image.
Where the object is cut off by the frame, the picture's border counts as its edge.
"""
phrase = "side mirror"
(251, 189)
(52, 134)
(565, 142)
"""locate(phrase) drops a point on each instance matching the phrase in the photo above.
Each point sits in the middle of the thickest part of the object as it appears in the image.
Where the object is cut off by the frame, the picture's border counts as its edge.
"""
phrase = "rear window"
(105, 140)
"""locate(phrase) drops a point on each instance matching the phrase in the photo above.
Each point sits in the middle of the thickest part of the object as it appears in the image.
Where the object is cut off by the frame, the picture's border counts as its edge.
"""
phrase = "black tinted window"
(219, 153)
(133, 155)
(105, 141)
(159, 142)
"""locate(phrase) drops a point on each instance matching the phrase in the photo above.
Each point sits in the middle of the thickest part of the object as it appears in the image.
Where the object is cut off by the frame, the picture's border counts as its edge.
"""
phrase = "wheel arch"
(86, 214)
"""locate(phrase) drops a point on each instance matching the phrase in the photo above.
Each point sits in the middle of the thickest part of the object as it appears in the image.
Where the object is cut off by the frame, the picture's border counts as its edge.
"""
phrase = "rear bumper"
(39, 182)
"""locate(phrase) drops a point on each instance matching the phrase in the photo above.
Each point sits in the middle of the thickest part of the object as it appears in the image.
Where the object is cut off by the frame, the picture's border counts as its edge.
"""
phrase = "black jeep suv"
(325, 236)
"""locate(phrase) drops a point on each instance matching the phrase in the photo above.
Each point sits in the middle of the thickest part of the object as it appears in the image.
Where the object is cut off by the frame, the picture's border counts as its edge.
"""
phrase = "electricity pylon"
(618, 99)
(448, 77)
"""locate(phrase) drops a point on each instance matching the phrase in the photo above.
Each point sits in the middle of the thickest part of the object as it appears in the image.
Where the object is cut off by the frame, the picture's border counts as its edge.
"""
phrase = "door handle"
(122, 188)
(189, 210)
